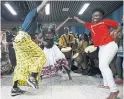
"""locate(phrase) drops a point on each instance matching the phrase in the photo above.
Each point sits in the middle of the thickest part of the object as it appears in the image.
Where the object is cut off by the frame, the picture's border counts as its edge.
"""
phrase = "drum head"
(67, 49)
(90, 49)
(75, 55)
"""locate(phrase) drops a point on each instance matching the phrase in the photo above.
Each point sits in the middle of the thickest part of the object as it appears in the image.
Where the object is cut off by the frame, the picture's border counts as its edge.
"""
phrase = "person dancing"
(55, 58)
(30, 57)
(104, 39)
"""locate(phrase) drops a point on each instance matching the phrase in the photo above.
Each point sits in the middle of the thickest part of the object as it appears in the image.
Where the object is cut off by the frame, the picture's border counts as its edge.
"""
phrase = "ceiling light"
(9, 7)
(85, 6)
(65, 9)
(47, 9)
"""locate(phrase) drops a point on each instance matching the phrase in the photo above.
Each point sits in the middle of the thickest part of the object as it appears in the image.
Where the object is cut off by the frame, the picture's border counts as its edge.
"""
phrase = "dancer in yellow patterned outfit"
(30, 57)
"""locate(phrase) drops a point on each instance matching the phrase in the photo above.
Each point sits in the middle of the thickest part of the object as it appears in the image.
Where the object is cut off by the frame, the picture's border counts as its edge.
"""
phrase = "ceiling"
(56, 13)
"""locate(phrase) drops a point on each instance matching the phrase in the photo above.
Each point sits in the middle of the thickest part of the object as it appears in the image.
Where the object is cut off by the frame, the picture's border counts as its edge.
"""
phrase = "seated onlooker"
(5, 62)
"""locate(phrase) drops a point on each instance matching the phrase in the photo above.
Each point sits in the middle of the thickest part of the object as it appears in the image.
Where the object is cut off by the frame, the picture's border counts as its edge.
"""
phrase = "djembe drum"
(67, 52)
(92, 52)
(78, 58)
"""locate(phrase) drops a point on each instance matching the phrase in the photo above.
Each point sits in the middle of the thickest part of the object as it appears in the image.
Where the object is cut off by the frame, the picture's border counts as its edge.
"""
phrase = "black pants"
(12, 56)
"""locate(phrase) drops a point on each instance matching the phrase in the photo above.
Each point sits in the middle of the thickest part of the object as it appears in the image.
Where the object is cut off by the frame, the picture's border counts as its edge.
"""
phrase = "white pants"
(106, 54)
(53, 55)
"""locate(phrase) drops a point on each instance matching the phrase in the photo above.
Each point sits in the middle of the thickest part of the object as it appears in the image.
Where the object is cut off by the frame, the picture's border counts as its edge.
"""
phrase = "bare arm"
(79, 20)
(42, 5)
(62, 24)
(119, 28)
(116, 31)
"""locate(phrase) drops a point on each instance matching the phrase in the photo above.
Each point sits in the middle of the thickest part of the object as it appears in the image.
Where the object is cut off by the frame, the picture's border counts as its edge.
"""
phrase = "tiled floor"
(56, 87)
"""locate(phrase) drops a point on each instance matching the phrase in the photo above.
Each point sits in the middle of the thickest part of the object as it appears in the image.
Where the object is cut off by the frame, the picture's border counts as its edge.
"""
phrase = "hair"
(84, 37)
(98, 9)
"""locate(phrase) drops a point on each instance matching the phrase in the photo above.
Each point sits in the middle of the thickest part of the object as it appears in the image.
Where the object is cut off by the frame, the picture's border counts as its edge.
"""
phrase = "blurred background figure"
(5, 62)
(10, 38)
(119, 60)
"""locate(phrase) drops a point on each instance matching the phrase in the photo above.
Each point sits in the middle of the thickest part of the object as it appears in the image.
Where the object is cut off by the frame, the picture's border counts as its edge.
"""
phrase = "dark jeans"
(12, 56)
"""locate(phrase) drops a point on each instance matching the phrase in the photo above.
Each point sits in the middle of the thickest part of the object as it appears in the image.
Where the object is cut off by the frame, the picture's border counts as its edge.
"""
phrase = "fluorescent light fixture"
(84, 8)
(65, 9)
(9, 7)
(47, 9)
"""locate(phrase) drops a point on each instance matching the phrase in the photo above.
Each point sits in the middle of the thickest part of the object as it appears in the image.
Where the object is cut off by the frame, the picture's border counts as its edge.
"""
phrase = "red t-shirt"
(100, 31)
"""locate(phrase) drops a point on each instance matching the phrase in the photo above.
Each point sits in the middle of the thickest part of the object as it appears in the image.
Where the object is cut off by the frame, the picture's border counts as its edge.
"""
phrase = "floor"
(59, 87)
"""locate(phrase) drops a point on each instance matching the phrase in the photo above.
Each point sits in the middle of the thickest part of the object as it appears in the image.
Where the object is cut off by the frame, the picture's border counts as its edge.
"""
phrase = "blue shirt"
(30, 23)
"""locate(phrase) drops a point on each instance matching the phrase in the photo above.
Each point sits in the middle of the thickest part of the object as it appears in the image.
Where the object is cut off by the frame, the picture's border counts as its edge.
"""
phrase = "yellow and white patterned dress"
(30, 58)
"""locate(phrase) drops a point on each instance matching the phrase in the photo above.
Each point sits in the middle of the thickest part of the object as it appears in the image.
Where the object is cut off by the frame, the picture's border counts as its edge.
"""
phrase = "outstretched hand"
(79, 20)
(69, 18)
(75, 17)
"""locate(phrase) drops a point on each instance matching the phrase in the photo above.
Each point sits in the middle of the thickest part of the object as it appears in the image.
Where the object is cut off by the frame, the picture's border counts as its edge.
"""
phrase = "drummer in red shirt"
(104, 39)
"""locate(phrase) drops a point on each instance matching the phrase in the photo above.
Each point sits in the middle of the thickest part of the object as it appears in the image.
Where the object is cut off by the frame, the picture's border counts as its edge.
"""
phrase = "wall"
(117, 15)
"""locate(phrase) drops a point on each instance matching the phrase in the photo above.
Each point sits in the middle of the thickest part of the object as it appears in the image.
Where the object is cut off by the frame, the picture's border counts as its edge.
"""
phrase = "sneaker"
(33, 82)
(17, 91)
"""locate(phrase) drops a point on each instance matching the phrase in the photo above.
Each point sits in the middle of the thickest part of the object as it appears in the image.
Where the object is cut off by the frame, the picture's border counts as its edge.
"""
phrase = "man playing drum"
(67, 39)
(66, 42)
(80, 57)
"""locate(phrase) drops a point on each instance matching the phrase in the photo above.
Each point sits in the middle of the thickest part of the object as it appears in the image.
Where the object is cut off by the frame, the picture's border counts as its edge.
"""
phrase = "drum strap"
(65, 40)
(69, 38)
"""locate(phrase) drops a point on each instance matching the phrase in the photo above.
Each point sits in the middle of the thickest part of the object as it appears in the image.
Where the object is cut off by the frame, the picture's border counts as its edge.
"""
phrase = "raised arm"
(62, 24)
(41, 6)
(79, 20)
